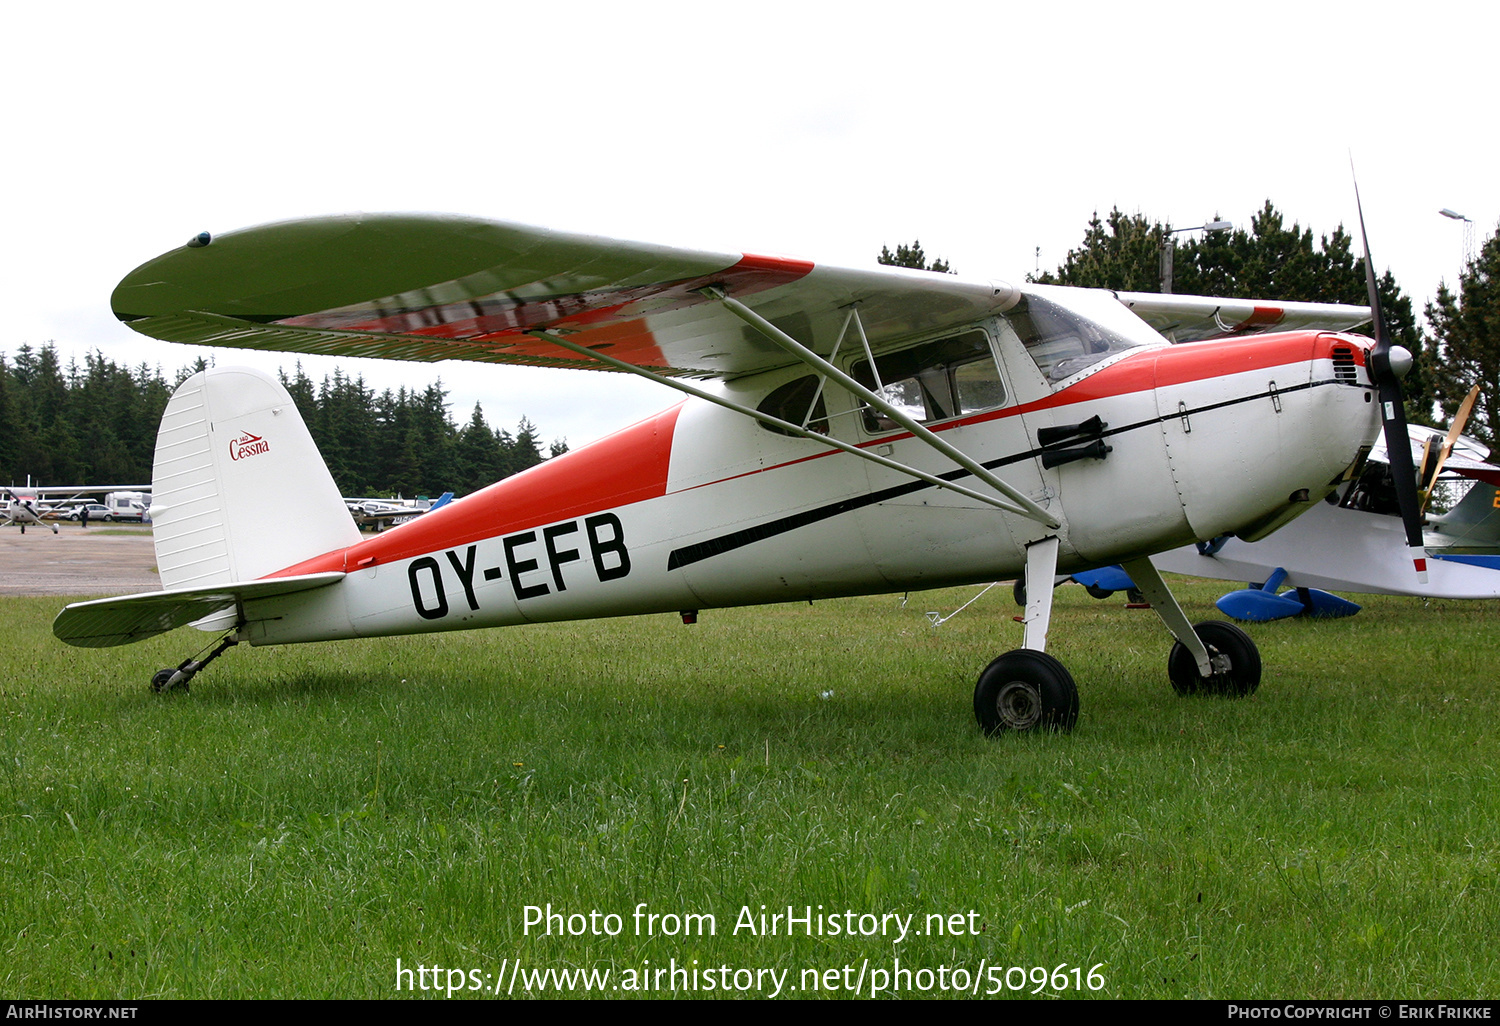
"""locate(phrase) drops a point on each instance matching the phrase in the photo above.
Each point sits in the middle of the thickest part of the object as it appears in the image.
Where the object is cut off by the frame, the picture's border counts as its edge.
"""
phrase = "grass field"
(308, 816)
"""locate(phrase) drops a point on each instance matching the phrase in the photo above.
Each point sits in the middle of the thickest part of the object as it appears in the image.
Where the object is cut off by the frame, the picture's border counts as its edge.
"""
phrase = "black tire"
(1097, 592)
(1018, 592)
(1025, 690)
(1221, 638)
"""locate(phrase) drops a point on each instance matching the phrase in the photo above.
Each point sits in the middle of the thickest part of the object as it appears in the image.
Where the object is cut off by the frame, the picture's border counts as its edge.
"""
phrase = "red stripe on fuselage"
(1141, 372)
(1182, 364)
(625, 467)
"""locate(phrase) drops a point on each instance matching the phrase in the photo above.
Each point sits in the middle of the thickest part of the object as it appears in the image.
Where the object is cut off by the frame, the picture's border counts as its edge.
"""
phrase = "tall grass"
(307, 816)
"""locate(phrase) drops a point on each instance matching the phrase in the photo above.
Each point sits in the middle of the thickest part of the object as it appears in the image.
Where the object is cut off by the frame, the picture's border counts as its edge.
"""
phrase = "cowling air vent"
(1344, 369)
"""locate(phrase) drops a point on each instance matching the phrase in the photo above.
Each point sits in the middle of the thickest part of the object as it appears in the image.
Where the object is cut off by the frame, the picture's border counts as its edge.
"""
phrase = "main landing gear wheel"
(1235, 657)
(1025, 690)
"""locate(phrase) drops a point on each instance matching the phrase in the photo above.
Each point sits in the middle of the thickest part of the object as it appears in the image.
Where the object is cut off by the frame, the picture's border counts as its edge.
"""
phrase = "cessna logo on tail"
(248, 445)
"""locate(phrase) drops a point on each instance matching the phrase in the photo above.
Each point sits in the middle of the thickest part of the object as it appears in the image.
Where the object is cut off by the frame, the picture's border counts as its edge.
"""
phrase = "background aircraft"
(860, 431)
(381, 513)
(22, 511)
(124, 502)
(1353, 541)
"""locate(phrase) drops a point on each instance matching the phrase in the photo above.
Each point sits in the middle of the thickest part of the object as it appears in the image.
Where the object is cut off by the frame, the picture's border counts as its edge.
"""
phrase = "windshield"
(1062, 342)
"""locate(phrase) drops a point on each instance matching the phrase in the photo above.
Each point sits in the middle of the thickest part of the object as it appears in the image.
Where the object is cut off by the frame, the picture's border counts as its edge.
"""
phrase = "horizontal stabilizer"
(103, 623)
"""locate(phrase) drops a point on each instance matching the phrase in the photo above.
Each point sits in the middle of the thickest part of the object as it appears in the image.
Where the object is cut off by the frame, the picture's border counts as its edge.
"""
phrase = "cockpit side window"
(935, 380)
(791, 402)
(1060, 342)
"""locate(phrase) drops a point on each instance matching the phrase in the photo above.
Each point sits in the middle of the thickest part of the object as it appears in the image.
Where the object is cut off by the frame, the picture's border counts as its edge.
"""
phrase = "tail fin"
(239, 489)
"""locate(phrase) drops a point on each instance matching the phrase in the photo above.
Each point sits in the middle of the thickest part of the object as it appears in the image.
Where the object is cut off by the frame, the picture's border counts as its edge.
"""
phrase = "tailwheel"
(161, 680)
(176, 678)
(1235, 659)
(1025, 690)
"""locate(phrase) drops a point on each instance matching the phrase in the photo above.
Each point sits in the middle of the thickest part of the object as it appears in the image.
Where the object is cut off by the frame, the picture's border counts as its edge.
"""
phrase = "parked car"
(97, 511)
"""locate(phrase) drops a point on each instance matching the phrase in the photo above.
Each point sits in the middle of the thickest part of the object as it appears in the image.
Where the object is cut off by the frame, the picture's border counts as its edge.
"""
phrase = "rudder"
(239, 489)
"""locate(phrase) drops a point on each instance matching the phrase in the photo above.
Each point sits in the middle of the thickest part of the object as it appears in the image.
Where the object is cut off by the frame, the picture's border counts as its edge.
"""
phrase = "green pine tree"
(1464, 347)
(1269, 261)
(912, 256)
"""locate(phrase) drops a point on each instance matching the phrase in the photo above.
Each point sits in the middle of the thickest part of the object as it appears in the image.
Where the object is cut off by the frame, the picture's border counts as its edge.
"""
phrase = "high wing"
(441, 287)
(1195, 318)
(434, 287)
(1478, 470)
(1468, 458)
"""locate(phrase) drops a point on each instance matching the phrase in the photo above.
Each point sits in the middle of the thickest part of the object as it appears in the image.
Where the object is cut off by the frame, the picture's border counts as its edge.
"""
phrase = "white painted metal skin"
(727, 474)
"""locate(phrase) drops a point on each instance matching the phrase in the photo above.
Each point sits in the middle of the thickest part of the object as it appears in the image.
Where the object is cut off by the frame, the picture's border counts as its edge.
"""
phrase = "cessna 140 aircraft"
(859, 432)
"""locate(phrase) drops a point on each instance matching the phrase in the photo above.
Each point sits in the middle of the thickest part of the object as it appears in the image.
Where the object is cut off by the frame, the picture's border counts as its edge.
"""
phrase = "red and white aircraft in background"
(21, 510)
(845, 432)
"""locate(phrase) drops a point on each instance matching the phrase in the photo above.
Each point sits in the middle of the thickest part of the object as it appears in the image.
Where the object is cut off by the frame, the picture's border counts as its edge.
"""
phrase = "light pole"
(1169, 248)
(1468, 234)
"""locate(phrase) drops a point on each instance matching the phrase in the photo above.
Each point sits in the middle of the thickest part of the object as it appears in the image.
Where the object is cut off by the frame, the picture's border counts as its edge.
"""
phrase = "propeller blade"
(1387, 374)
(1426, 471)
(1464, 409)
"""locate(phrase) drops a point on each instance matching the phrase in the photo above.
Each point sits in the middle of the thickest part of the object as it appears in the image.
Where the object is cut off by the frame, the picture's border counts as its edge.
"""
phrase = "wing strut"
(852, 317)
(1023, 505)
(795, 429)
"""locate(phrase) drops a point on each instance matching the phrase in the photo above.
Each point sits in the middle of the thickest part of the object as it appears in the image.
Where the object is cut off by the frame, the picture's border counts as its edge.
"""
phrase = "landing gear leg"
(1027, 689)
(1041, 569)
(168, 679)
(1213, 657)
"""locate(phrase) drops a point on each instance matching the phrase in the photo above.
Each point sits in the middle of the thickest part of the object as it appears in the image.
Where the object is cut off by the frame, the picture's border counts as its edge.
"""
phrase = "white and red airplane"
(845, 432)
(21, 510)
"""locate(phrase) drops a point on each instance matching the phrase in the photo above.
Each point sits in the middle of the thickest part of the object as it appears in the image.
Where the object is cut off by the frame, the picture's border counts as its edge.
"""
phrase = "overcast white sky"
(810, 129)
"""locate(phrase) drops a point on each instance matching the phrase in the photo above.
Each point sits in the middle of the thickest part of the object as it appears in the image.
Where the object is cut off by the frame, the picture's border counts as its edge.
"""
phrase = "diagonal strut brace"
(795, 429)
(1027, 508)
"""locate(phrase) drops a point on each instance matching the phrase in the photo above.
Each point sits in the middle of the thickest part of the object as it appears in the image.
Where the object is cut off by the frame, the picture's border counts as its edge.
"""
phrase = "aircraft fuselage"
(699, 506)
